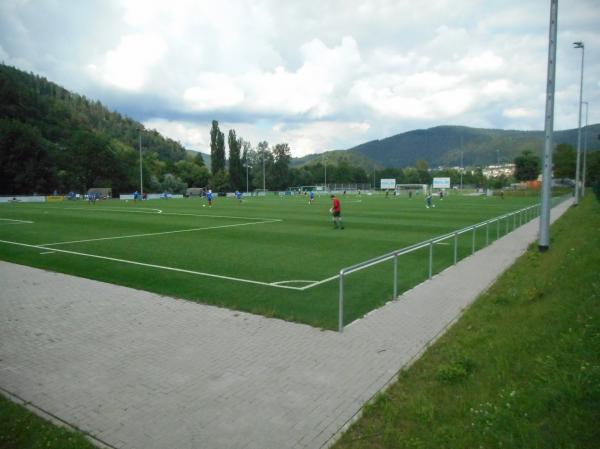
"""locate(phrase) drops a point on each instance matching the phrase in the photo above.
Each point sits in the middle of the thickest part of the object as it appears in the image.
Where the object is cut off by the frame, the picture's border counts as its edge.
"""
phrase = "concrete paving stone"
(141, 370)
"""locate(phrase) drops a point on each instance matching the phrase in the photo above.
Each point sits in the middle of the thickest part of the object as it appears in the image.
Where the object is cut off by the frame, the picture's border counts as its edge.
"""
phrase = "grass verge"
(520, 369)
(21, 429)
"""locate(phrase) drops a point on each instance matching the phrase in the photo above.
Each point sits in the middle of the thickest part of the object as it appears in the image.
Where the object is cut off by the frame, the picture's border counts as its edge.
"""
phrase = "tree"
(262, 166)
(564, 160)
(220, 181)
(198, 159)
(25, 160)
(527, 166)
(192, 174)
(235, 161)
(217, 148)
(172, 184)
(280, 170)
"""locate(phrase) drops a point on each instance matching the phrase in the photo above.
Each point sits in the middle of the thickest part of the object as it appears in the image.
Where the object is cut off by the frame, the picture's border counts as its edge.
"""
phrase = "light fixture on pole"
(544, 234)
(577, 173)
(584, 149)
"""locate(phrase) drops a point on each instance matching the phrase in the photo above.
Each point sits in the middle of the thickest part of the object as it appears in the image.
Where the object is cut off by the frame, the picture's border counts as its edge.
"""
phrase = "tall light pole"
(374, 187)
(579, 45)
(325, 165)
(264, 178)
(141, 174)
(584, 148)
(247, 190)
(544, 234)
(461, 170)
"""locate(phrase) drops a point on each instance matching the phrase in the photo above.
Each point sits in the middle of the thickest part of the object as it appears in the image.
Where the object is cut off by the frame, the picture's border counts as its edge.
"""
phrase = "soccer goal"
(410, 189)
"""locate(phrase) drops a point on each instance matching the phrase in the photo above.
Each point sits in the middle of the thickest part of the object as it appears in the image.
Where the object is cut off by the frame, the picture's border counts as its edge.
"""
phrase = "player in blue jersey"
(238, 195)
(209, 197)
(311, 197)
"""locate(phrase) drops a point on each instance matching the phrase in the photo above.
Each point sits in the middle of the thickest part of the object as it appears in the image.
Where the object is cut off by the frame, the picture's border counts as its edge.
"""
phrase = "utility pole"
(141, 174)
(584, 148)
(264, 178)
(544, 239)
(325, 165)
(577, 194)
(461, 167)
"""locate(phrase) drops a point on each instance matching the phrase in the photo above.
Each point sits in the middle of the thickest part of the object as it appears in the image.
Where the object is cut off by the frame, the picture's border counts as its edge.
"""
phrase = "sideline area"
(134, 369)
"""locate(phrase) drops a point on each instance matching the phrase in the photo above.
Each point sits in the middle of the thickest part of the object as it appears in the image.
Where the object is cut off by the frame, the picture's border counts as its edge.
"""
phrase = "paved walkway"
(138, 370)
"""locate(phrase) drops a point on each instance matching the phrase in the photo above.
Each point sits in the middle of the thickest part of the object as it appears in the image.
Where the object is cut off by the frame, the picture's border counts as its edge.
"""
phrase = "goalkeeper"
(336, 212)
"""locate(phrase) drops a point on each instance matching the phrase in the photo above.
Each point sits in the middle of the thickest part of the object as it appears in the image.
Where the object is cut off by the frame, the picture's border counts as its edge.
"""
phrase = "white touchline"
(133, 262)
(157, 233)
(15, 221)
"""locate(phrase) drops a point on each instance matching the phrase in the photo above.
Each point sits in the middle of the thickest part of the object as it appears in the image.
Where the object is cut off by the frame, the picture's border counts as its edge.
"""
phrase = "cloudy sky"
(317, 74)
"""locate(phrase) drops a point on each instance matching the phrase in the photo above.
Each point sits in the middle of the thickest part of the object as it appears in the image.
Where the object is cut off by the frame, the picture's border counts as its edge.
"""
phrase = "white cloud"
(213, 91)
(310, 68)
(519, 113)
(306, 138)
(128, 66)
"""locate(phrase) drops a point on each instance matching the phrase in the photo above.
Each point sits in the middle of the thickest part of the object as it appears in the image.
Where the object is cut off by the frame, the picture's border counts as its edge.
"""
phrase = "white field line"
(158, 233)
(15, 221)
(293, 281)
(139, 210)
(181, 214)
(161, 267)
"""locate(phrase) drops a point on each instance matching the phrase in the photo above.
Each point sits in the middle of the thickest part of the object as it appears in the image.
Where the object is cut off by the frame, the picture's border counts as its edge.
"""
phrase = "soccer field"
(275, 256)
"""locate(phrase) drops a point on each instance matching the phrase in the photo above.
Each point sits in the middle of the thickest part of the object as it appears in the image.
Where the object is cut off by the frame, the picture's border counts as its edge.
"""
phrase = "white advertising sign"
(388, 184)
(441, 183)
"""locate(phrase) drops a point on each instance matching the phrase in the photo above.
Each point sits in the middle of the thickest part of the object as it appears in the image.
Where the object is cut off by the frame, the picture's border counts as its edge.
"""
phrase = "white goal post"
(414, 188)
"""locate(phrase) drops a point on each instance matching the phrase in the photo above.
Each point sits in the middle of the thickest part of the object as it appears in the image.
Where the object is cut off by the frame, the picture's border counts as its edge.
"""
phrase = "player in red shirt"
(336, 212)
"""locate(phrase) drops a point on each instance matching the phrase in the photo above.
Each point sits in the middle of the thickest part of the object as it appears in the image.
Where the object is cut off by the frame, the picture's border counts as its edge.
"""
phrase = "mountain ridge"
(442, 146)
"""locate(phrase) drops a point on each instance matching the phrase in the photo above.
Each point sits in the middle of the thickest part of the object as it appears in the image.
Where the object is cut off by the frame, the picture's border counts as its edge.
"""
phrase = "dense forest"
(55, 140)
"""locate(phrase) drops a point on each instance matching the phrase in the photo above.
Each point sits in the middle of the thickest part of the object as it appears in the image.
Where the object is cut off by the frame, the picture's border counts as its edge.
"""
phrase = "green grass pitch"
(275, 256)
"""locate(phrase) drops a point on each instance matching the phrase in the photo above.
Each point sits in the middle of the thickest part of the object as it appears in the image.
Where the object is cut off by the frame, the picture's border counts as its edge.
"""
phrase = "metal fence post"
(473, 243)
(395, 276)
(497, 228)
(487, 233)
(520, 217)
(455, 247)
(506, 225)
(341, 304)
(514, 221)
(430, 258)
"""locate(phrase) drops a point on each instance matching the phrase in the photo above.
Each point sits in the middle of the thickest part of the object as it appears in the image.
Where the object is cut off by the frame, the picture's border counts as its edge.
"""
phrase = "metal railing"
(521, 216)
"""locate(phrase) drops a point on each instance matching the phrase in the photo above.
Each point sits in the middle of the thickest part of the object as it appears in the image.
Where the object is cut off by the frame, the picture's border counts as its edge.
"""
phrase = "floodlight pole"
(461, 168)
(247, 176)
(374, 178)
(544, 239)
(577, 173)
(263, 164)
(584, 149)
(141, 174)
(325, 165)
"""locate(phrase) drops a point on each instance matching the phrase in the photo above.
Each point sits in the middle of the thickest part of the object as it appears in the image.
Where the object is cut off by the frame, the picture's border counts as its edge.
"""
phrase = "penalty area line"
(149, 265)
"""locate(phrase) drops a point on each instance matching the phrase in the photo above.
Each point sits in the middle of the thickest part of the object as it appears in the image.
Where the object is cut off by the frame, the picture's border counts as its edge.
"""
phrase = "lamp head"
(578, 45)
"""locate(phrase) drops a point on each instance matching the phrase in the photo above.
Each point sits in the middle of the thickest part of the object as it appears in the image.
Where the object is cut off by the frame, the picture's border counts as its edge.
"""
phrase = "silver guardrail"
(523, 215)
